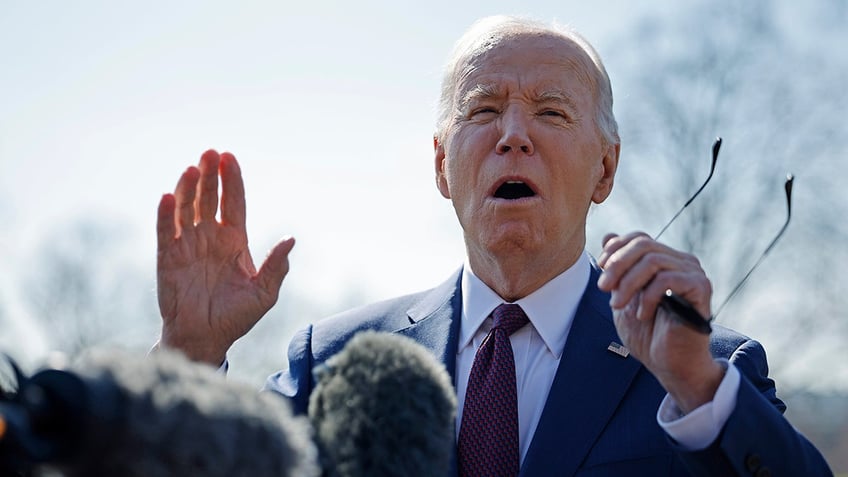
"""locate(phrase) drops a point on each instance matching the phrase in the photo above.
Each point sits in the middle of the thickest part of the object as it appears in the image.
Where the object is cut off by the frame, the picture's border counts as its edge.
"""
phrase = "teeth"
(515, 182)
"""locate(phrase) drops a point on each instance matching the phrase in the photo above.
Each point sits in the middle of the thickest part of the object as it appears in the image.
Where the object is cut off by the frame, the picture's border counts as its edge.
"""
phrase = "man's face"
(522, 158)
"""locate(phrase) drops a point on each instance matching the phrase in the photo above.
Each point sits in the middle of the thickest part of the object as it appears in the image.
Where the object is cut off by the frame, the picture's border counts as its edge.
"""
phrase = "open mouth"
(513, 190)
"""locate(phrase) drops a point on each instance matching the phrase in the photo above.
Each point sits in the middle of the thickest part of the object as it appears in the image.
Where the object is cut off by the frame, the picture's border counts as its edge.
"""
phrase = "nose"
(514, 132)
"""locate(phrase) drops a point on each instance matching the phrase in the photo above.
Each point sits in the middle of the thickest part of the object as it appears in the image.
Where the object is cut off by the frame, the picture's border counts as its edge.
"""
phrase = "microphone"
(112, 415)
(383, 406)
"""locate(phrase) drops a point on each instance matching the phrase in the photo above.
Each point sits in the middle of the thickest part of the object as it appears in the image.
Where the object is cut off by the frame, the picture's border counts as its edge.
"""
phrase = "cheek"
(576, 187)
(460, 179)
(465, 155)
(460, 169)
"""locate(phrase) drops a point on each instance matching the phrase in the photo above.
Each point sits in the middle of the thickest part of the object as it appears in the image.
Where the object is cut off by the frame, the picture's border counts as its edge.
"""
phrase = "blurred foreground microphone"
(383, 406)
(160, 416)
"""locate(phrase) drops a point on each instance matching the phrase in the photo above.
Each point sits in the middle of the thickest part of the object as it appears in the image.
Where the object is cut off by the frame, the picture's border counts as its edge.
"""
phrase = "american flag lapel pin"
(618, 349)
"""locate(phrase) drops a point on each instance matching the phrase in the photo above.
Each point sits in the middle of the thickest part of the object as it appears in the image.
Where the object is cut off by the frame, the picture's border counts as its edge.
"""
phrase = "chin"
(513, 241)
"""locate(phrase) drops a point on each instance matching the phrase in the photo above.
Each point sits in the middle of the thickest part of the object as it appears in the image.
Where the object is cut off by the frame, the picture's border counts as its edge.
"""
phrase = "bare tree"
(766, 77)
(84, 293)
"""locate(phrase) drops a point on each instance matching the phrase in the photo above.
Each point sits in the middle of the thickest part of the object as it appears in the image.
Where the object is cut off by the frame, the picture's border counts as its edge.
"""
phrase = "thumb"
(275, 267)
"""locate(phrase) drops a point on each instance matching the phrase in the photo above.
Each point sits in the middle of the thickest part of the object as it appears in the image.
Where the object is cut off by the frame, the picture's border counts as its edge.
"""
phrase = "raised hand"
(637, 271)
(210, 293)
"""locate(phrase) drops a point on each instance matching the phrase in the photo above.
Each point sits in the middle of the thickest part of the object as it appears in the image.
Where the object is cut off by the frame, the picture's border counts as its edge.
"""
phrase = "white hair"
(489, 32)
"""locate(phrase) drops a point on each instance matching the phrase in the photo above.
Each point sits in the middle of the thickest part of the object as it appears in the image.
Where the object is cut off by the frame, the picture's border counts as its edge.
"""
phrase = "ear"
(441, 179)
(609, 164)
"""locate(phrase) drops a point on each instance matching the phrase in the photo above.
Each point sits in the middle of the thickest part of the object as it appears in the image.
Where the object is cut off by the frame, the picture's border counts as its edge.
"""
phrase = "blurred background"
(330, 108)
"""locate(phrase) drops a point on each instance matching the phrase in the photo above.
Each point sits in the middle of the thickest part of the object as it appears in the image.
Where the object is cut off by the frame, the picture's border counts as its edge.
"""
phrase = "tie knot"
(509, 317)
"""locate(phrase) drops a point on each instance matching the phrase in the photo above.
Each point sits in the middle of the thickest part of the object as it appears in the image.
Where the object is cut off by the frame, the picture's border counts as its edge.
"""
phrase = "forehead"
(530, 63)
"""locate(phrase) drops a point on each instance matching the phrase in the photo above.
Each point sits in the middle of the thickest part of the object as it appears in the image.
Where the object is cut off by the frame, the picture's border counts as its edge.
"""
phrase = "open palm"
(210, 293)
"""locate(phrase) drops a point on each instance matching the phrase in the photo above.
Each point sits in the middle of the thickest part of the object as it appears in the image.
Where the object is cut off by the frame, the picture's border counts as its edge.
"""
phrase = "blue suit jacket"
(600, 416)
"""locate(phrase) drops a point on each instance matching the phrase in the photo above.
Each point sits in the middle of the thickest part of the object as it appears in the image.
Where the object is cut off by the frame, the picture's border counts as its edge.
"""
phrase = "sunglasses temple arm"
(716, 148)
(788, 187)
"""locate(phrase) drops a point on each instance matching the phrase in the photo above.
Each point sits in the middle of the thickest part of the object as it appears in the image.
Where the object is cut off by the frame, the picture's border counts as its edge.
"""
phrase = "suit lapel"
(434, 322)
(435, 325)
(588, 386)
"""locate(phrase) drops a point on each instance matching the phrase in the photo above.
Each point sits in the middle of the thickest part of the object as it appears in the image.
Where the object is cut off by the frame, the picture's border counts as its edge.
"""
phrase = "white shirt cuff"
(698, 429)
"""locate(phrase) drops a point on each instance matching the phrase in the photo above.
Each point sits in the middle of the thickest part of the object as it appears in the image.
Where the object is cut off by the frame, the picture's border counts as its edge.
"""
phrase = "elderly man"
(526, 142)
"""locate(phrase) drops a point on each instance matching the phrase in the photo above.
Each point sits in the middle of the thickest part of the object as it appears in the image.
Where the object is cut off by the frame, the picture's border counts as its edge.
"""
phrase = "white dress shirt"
(538, 347)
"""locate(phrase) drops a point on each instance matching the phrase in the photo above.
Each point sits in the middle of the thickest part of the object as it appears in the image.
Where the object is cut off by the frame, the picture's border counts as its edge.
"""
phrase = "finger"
(184, 196)
(166, 227)
(232, 193)
(618, 255)
(641, 273)
(607, 243)
(628, 250)
(607, 238)
(693, 286)
(613, 242)
(275, 267)
(630, 329)
(207, 188)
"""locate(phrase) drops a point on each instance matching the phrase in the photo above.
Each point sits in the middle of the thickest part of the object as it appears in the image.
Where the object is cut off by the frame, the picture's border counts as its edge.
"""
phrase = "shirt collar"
(551, 308)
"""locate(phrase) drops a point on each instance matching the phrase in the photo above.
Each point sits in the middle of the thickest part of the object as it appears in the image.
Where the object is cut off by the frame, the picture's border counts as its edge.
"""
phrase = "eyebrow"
(487, 91)
(555, 96)
(480, 91)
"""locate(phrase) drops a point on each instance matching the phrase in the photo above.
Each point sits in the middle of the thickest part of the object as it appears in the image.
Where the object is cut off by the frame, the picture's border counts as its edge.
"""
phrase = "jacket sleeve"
(756, 440)
(296, 382)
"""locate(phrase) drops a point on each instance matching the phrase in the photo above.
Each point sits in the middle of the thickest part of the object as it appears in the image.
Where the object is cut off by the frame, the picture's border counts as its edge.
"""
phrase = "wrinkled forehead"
(560, 58)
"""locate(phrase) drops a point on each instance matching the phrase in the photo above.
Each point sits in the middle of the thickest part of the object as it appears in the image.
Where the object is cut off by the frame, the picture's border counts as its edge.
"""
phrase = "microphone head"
(383, 406)
(181, 418)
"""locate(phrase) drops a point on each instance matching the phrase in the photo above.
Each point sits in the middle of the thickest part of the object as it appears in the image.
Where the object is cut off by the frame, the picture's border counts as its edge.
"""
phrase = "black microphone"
(383, 406)
(112, 415)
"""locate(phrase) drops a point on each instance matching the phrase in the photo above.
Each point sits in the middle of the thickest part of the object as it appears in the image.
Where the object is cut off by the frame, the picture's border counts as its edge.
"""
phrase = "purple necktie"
(488, 435)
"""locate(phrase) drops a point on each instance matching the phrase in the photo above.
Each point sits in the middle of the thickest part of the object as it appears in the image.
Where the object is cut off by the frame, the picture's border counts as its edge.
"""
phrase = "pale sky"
(328, 105)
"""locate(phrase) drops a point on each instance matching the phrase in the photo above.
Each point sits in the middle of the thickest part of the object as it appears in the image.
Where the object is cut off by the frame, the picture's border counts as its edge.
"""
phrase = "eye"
(483, 111)
(553, 113)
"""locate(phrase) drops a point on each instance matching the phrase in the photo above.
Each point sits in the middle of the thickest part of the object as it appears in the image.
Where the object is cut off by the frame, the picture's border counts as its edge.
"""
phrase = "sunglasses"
(681, 309)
